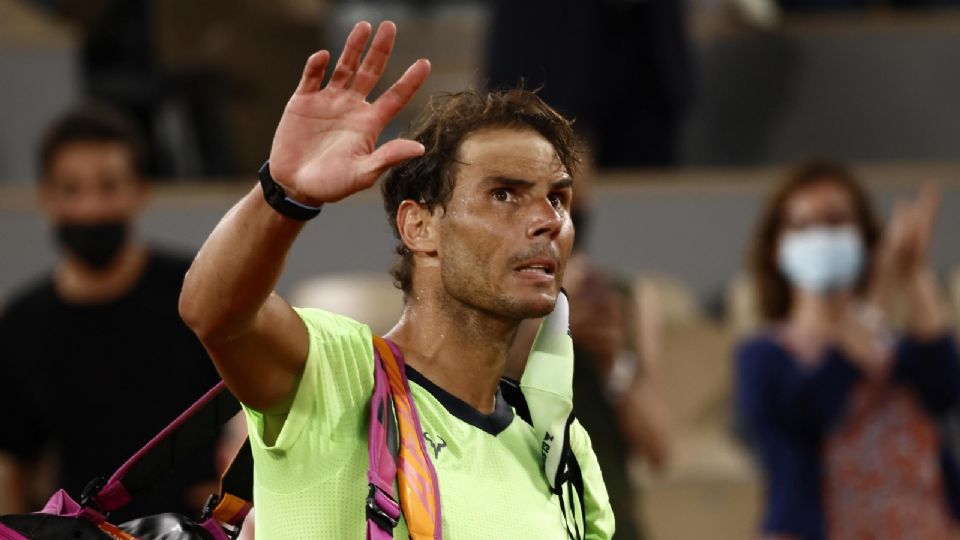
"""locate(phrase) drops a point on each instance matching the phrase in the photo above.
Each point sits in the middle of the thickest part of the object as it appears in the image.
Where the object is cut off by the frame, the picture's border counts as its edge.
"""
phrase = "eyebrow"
(562, 183)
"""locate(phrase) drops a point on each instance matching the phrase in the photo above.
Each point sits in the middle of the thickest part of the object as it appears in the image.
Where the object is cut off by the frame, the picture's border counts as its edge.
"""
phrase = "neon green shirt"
(311, 483)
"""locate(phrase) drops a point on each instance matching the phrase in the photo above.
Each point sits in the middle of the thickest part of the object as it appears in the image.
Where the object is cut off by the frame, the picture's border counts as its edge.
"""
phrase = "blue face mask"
(822, 259)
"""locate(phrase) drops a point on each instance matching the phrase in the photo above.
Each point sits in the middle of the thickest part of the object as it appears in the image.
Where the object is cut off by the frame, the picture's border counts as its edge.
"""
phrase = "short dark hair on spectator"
(446, 121)
(773, 289)
(92, 122)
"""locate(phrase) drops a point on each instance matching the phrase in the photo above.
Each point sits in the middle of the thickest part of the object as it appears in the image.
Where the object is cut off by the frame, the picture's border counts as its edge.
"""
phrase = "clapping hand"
(900, 267)
(902, 253)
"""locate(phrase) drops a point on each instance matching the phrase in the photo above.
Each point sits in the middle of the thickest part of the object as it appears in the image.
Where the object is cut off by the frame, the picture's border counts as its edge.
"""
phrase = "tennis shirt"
(312, 481)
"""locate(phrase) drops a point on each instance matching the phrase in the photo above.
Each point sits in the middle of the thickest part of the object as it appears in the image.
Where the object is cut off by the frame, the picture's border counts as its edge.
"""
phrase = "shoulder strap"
(170, 448)
(406, 460)
(191, 431)
(233, 501)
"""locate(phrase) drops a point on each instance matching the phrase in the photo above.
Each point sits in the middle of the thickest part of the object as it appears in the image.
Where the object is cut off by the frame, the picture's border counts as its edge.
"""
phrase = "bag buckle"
(91, 490)
(208, 507)
(232, 531)
(378, 514)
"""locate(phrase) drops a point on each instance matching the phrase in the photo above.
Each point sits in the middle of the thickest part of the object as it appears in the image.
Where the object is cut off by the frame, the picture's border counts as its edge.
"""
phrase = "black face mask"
(96, 245)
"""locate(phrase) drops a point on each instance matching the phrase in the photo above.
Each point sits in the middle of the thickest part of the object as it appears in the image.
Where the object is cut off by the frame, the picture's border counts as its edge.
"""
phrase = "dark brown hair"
(447, 120)
(92, 122)
(772, 286)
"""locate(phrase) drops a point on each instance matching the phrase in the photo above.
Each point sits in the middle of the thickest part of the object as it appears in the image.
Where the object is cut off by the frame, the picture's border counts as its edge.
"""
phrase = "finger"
(392, 153)
(928, 204)
(390, 103)
(891, 240)
(925, 215)
(899, 219)
(350, 57)
(376, 60)
(313, 72)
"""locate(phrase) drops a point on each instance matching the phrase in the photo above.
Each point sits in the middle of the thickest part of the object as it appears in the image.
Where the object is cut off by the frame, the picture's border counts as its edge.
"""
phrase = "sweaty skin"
(492, 257)
(498, 257)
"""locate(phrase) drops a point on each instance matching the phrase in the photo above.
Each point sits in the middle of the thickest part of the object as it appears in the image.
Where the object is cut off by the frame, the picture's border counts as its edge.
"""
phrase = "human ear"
(46, 198)
(417, 227)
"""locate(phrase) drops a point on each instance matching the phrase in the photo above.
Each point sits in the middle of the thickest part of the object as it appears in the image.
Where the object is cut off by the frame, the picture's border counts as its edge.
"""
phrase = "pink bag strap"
(397, 451)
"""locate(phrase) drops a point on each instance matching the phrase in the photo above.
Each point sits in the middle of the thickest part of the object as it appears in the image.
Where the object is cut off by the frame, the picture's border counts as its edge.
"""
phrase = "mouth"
(540, 268)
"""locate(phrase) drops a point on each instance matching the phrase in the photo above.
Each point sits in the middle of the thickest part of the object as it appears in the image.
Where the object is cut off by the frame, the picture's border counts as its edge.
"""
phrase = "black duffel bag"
(222, 516)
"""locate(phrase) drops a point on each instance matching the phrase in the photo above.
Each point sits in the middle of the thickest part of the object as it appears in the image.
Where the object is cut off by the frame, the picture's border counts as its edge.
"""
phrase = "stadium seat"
(367, 297)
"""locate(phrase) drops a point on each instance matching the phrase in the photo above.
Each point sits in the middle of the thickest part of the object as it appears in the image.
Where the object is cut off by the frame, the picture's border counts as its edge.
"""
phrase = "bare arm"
(925, 314)
(324, 150)
(901, 268)
(254, 337)
(13, 486)
(644, 416)
(900, 273)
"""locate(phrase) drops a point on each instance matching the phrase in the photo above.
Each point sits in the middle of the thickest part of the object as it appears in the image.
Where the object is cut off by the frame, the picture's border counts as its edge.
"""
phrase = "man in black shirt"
(94, 359)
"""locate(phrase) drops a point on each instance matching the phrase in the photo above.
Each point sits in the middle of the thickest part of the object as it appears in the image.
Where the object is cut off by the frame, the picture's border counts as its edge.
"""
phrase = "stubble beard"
(478, 292)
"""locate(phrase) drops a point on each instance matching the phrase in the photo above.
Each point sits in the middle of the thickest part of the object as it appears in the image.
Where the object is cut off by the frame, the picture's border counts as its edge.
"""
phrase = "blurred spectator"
(621, 68)
(842, 412)
(849, 5)
(94, 359)
(181, 111)
(617, 387)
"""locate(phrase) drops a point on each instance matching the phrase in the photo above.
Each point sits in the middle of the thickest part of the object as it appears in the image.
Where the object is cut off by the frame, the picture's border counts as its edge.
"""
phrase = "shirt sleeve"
(932, 367)
(772, 389)
(331, 398)
(599, 513)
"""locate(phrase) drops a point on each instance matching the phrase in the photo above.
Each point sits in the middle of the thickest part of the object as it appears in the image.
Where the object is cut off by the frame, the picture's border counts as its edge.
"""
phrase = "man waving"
(479, 200)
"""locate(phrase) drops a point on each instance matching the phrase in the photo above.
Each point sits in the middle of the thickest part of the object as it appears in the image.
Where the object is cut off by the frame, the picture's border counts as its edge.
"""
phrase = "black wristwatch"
(279, 201)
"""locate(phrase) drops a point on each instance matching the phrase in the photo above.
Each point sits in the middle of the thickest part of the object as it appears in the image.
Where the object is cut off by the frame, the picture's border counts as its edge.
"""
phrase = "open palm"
(325, 146)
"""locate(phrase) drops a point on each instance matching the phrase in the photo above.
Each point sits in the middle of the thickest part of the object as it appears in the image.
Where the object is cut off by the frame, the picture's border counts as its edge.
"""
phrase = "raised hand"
(325, 146)
(910, 230)
(902, 252)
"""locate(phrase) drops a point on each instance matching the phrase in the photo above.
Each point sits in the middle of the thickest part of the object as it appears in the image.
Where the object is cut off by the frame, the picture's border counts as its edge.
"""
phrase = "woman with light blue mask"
(843, 409)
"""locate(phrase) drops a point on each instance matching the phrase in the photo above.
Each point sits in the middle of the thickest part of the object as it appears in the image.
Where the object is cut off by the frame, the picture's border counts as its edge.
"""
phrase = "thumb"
(393, 153)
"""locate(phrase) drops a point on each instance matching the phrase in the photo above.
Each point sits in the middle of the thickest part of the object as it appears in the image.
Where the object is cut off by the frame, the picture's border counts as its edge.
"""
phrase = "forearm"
(926, 319)
(236, 270)
(644, 414)
(645, 422)
(13, 491)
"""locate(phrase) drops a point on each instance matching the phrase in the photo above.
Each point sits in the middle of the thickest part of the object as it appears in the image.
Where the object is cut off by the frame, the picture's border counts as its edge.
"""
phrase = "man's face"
(506, 234)
(89, 183)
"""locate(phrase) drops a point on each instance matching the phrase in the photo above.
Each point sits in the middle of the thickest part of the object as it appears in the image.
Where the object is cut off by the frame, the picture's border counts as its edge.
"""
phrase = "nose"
(87, 205)
(546, 220)
(92, 206)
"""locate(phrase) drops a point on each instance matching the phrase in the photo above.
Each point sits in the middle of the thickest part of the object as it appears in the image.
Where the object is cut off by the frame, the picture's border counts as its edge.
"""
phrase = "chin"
(534, 306)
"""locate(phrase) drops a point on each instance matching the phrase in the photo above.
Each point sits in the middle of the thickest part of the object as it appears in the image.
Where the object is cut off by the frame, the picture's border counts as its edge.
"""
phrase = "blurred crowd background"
(694, 112)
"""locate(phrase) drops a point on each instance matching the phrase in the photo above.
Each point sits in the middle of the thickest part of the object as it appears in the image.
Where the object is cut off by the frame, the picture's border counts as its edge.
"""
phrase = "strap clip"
(382, 517)
(208, 507)
(91, 490)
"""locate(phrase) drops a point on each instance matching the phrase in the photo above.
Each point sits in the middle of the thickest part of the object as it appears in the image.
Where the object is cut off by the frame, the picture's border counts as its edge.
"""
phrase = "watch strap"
(279, 201)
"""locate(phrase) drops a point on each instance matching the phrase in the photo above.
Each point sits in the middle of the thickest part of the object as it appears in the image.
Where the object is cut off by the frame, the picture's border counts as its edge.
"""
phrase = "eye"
(110, 187)
(502, 195)
(838, 219)
(797, 225)
(556, 200)
(68, 189)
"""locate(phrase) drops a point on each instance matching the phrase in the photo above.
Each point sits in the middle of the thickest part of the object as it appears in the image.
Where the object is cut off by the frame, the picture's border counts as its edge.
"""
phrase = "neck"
(458, 347)
(817, 316)
(78, 283)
